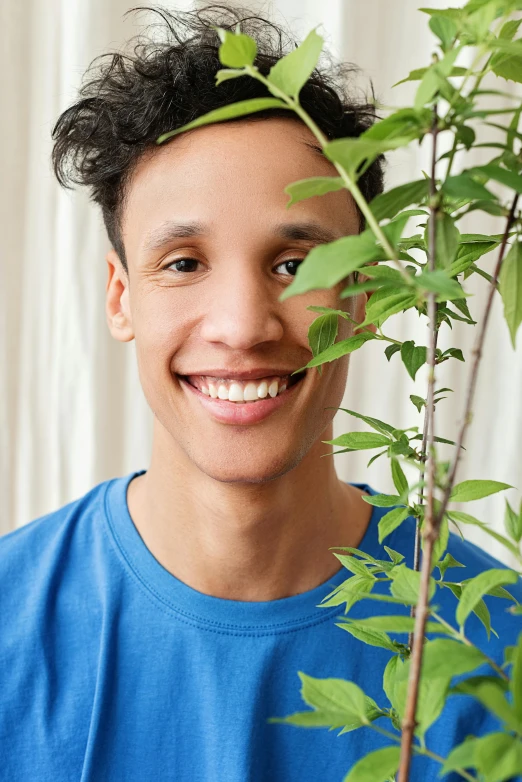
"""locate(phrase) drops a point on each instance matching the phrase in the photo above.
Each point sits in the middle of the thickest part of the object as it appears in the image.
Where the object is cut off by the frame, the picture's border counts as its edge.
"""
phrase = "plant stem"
(430, 527)
(419, 750)
(350, 184)
(477, 354)
(417, 544)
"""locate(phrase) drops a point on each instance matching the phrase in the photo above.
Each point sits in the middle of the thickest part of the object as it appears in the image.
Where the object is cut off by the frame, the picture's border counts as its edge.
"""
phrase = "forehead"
(231, 176)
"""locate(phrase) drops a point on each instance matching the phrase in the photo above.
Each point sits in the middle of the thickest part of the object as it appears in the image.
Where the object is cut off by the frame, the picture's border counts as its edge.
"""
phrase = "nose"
(243, 311)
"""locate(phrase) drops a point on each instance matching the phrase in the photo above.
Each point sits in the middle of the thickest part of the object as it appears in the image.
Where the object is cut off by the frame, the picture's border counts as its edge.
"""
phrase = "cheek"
(160, 329)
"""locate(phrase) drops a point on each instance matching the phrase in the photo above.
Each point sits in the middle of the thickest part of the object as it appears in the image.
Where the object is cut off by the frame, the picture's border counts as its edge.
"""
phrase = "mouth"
(242, 402)
(249, 391)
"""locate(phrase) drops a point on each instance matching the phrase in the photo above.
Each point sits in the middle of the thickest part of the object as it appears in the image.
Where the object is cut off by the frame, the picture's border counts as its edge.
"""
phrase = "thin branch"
(430, 529)
(350, 184)
(420, 750)
(477, 354)
(424, 449)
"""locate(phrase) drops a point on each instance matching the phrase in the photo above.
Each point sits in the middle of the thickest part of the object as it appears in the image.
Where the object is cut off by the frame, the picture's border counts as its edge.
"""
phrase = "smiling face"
(210, 247)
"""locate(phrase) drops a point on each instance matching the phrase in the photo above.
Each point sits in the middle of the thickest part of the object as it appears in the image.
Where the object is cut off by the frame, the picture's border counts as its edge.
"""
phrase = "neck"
(239, 541)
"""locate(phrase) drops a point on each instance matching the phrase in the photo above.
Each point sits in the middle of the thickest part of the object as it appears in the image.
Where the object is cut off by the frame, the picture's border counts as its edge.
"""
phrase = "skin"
(239, 512)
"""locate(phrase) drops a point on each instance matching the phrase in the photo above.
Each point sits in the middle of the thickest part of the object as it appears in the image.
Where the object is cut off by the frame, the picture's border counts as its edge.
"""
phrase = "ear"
(117, 306)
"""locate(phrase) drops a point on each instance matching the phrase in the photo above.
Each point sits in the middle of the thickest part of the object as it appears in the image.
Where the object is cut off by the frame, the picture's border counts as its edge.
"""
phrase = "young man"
(151, 628)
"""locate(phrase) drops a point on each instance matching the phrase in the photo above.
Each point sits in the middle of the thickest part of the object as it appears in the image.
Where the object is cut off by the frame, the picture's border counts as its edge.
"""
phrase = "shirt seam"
(194, 619)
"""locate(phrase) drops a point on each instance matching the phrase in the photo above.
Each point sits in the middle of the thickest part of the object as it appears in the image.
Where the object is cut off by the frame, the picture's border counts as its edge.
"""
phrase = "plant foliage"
(448, 100)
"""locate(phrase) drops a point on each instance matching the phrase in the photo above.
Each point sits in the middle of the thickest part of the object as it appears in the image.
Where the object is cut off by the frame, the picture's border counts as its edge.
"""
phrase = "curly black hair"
(168, 79)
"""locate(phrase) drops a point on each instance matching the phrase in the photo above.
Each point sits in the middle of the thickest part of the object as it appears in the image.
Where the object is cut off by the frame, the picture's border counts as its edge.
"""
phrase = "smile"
(243, 391)
(227, 400)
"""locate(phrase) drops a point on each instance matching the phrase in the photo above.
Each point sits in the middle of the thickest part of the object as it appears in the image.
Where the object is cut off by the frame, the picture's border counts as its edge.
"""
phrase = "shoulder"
(54, 549)
(46, 531)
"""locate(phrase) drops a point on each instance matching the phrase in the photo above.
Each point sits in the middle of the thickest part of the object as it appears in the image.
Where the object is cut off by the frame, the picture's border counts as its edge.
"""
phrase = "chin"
(247, 470)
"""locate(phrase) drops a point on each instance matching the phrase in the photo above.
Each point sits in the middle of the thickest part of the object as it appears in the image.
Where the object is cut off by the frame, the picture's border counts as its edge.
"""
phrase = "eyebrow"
(302, 231)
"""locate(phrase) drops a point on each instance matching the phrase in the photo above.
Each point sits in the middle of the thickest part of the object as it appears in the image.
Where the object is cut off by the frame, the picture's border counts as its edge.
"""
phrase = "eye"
(183, 265)
(291, 266)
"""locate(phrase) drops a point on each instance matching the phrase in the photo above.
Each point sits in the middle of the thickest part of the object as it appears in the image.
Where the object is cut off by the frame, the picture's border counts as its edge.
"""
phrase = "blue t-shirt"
(111, 669)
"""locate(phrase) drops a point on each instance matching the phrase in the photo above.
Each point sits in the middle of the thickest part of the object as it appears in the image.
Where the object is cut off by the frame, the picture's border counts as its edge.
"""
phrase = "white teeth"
(262, 390)
(235, 393)
(241, 392)
(251, 393)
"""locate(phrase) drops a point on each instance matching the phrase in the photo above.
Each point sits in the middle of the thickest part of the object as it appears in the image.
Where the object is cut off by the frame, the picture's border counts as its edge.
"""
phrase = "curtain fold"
(71, 409)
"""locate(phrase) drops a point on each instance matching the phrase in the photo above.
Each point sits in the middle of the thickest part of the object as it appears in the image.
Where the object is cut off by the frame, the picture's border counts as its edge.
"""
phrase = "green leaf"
(465, 518)
(349, 592)
(383, 304)
(333, 694)
(418, 74)
(477, 587)
(413, 357)
(327, 264)
(354, 565)
(228, 73)
(453, 353)
(393, 624)
(445, 658)
(390, 521)
(502, 175)
(388, 204)
(341, 348)
(508, 67)
(439, 282)
(447, 238)
(441, 543)
(445, 29)
(418, 401)
(509, 29)
(428, 87)
(375, 423)
(391, 349)
(399, 479)
(492, 697)
(513, 523)
(291, 72)
(496, 756)
(237, 50)
(510, 287)
(230, 111)
(378, 766)
(462, 756)
(388, 680)
(322, 333)
(516, 680)
(406, 584)
(351, 153)
(382, 500)
(395, 556)
(313, 186)
(359, 441)
(369, 636)
(337, 704)
(464, 186)
(448, 562)
(403, 123)
(476, 490)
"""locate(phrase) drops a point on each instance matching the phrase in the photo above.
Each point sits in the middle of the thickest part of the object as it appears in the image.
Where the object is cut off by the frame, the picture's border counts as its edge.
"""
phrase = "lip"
(240, 414)
(252, 374)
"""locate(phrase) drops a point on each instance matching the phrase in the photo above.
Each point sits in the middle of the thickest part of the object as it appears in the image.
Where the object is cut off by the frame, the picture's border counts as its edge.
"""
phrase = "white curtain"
(71, 408)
